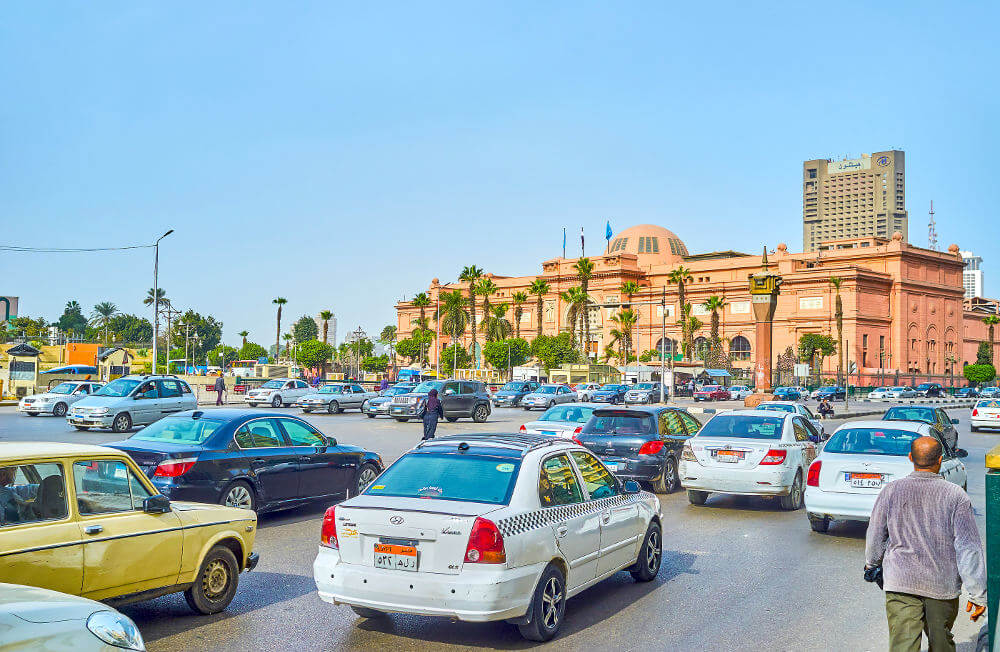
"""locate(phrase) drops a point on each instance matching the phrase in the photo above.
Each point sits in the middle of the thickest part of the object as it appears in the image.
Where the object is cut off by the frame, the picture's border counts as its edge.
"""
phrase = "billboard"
(849, 165)
(8, 309)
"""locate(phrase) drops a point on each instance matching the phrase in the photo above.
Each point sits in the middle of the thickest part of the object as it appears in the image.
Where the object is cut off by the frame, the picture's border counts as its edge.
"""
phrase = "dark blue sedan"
(611, 393)
(255, 460)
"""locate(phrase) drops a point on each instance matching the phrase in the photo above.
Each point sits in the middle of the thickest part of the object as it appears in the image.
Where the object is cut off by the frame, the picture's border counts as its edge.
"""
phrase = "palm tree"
(682, 276)
(454, 315)
(244, 335)
(991, 321)
(585, 271)
(838, 315)
(280, 301)
(691, 325)
(288, 343)
(470, 275)
(625, 320)
(630, 289)
(105, 310)
(161, 293)
(421, 301)
(326, 316)
(486, 288)
(518, 299)
(714, 304)
(496, 326)
(539, 288)
(577, 300)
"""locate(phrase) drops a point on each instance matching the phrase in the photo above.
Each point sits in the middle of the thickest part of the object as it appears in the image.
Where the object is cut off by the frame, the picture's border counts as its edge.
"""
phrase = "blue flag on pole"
(564, 242)
(607, 231)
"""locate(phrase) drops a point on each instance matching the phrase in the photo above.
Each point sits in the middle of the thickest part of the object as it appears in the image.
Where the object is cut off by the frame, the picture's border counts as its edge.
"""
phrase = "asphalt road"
(737, 574)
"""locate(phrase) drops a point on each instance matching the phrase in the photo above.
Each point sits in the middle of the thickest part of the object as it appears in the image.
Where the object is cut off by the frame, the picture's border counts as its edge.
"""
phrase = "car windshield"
(871, 441)
(396, 391)
(992, 403)
(922, 414)
(710, 388)
(63, 388)
(331, 389)
(273, 384)
(426, 386)
(620, 423)
(546, 389)
(449, 476)
(571, 413)
(119, 387)
(924, 386)
(512, 387)
(181, 430)
(743, 426)
(780, 407)
(611, 388)
(645, 386)
(897, 389)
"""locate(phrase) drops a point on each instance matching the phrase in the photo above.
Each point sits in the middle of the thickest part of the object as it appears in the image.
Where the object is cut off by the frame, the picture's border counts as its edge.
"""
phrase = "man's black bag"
(874, 575)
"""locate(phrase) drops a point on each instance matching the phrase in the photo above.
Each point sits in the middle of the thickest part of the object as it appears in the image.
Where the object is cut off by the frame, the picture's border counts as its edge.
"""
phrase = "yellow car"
(85, 520)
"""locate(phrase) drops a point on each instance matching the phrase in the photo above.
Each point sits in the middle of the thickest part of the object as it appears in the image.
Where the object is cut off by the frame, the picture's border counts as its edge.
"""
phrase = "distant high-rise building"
(972, 275)
(853, 198)
(331, 334)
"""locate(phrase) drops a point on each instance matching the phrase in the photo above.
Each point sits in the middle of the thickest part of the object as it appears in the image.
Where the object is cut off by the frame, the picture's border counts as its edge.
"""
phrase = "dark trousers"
(218, 398)
(430, 425)
(910, 616)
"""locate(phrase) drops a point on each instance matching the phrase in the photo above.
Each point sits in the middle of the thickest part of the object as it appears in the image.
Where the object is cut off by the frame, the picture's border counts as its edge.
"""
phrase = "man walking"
(923, 534)
(220, 387)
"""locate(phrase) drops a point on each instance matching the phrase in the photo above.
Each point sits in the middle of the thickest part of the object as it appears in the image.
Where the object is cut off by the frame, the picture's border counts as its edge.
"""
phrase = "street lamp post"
(358, 335)
(663, 344)
(156, 294)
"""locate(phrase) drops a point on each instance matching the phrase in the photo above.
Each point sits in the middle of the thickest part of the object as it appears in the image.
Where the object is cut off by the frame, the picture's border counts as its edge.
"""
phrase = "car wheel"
(215, 585)
(32, 414)
(239, 494)
(59, 410)
(401, 419)
(551, 403)
(527, 409)
(122, 423)
(84, 428)
(370, 415)
(306, 411)
(480, 414)
(366, 476)
(647, 565)
(451, 419)
(793, 500)
(365, 612)
(697, 497)
(818, 523)
(975, 428)
(333, 407)
(276, 402)
(252, 404)
(668, 479)
(548, 606)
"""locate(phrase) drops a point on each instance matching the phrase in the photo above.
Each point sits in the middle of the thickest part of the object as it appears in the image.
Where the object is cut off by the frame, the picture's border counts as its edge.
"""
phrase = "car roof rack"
(524, 443)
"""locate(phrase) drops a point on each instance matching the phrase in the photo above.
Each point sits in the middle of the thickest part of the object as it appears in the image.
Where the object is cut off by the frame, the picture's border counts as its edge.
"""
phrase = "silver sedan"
(548, 395)
(57, 400)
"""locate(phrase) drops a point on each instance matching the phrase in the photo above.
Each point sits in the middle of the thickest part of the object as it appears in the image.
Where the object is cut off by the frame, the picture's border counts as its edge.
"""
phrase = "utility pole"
(437, 341)
(663, 345)
(156, 294)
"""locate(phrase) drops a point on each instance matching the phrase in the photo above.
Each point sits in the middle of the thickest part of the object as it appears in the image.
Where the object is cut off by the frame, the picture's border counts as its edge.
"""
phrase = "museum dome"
(654, 245)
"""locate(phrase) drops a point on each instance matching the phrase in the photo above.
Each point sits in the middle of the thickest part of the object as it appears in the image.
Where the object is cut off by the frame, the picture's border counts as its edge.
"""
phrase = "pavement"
(738, 574)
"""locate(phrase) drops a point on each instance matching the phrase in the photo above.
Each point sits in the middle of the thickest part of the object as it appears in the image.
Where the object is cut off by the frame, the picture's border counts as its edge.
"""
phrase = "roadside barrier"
(992, 539)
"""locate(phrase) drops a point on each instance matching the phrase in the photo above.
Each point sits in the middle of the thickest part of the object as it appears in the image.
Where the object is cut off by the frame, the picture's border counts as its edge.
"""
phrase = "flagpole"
(564, 242)
(582, 248)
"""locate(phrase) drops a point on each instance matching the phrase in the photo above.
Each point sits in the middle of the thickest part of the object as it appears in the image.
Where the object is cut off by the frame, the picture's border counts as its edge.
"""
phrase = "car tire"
(401, 419)
(793, 500)
(527, 409)
(305, 411)
(696, 497)
(333, 407)
(276, 402)
(548, 606)
(818, 523)
(551, 404)
(121, 423)
(366, 475)
(480, 413)
(252, 404)
(365, 612)
(451, 419)
(83, 428)
(32, 414)
(669, 480)
(215, 585)
(239, 494)
(370, 415)
(647, 564)
(975, 428)
(59, 410)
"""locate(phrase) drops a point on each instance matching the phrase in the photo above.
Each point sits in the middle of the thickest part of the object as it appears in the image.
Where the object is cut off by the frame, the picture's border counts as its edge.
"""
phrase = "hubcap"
(481, 413)
(239, 497)
(215, 579)
(122, 422)
(670, 474)
(367, 477)
(60, 410)
(551, 599)
(653, 552)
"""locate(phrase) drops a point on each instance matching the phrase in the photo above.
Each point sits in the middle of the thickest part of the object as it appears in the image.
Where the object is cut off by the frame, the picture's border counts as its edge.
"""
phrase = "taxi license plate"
(395, 557)
(865, 480)
(551, 433)
(612, 466)
(729, 456)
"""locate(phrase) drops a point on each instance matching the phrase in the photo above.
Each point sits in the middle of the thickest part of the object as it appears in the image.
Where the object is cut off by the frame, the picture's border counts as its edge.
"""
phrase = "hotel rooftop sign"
(849, 165)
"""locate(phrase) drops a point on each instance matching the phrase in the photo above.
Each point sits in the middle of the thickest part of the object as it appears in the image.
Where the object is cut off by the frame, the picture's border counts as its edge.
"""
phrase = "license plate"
(730, 457)
(549, 432)
(864, 480)
(395, 557)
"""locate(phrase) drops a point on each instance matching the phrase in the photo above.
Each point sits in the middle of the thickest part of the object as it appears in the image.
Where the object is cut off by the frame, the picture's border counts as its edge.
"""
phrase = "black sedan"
(254, 460)
(831, 393)
(640, 443)
(966, 392)
(610, 393)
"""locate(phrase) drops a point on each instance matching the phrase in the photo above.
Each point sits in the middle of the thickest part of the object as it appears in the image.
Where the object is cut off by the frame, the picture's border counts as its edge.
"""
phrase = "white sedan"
(985, 414)
(859, 460)
(584, 391)
(749, 452)
(487, 527)
(278, 392)
(740, 392)
(57, 400)
(900, 392)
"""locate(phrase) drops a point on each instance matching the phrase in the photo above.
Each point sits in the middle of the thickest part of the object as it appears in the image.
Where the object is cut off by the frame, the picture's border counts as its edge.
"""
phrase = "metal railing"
(992, 539)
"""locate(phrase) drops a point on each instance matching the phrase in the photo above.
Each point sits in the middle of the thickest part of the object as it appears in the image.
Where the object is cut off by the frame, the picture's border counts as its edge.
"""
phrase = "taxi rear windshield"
(922, 414)
(449, 476)
(871, 441)
(744, 427)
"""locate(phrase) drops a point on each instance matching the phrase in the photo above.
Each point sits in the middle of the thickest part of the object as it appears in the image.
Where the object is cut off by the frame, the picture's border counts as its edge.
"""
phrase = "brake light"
(485, 544)
(577, 441)
(522, 429)
(174, 467)
(812, 480)
(651, 447)
(328, 533)
(578, 430)
(975, 412)
(774, 456)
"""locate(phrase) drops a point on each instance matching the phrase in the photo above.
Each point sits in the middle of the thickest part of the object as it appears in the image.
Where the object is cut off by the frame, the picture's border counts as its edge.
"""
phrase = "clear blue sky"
(343, 155)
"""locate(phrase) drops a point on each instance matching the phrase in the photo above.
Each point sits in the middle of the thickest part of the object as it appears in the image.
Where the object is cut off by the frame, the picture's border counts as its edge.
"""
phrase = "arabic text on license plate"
(612, 466)
(395, 557)
(729, 456)
(865, 480)
(549, 432)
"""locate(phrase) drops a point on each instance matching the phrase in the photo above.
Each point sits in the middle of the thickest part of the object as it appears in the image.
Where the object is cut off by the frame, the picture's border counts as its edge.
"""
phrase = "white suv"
(278, 392)
(132, 401)
(487, 527)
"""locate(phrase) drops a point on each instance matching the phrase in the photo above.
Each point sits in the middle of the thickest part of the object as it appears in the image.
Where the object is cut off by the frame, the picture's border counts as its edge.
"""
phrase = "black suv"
(930, 390)
(459, 399)
(510, 395)
(640, 443)
(933, 416)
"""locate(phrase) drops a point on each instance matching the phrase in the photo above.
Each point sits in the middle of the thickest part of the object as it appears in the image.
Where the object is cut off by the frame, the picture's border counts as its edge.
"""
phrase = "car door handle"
(305, 458)
(260, 460)
(561, 530)
(606, 516)
(93, 529)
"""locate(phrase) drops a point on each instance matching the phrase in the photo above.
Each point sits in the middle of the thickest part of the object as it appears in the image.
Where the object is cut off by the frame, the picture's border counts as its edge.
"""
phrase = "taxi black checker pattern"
(547, 516)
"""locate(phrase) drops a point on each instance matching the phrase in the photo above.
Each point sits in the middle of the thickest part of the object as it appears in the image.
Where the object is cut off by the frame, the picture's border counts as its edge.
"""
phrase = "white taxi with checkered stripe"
(487, 527)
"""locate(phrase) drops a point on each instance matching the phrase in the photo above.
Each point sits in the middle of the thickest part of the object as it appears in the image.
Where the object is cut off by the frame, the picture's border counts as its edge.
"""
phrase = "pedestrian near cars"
(432, 413)
(220, 387)
(825, 409)
(923, 535)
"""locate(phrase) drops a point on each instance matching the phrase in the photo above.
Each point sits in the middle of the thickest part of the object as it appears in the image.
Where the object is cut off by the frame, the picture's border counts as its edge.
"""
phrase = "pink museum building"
(903, 305)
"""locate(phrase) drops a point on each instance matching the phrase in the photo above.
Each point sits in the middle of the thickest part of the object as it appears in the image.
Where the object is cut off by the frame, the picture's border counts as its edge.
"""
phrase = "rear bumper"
(839, 505)
(476, 596)
(753, 482)
(979, 422)
(252, 561)
(645, 470)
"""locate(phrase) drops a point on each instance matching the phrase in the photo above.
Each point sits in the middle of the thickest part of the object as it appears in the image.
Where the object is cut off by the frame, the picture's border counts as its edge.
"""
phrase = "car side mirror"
(631, 487)
(954, 421)
(961, 453)
(331, 441)
(814, 439)
(449, 392)
(158, 504)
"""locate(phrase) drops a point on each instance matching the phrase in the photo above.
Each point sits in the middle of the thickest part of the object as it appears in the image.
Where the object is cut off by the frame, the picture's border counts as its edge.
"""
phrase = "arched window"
(739, 348)
(701, 348)
(666, 347)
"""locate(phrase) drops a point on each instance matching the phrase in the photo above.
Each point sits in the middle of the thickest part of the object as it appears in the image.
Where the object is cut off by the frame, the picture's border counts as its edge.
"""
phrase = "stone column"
(764, 289)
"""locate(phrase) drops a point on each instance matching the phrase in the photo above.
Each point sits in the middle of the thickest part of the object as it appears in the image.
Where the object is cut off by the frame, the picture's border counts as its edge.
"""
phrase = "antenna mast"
(932, 230)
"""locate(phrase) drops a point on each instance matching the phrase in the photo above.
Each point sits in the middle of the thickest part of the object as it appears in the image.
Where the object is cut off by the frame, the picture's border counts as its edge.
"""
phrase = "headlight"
(102, 410)
(115, 629)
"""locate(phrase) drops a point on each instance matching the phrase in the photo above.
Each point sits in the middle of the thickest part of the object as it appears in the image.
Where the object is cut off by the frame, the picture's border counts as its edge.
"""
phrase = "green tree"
(991, 321)
(207, 328)
(31, 327)
(554, 350)
(539, 288)
(101, 317)
(375, 363)
(495, 324)
(72, 318)
(252, 351)
(409, 348)
(625, 321)
(288, 337)
(305, 329)
(131, 329)
(485, 287)
(584, 268)
(222, 356)
(838, 315)
(421, 301)
(452, 355)
(979, 373)
(313, 354)
(470, 275)
(984, 355)
(518, 299)
(629, 289)
(578, 302)
(681, 277)
(454, 315)
(504, 355)
(244, 334)
(280, 301)
(813, 347)
(388, 337)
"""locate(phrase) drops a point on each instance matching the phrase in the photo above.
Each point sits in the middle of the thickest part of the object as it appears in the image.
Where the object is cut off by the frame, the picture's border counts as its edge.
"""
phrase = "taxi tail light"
(975, 412)
(485, 544)
(576, 440)
(328, 533)
(172, 468)
(578, 430)
(651, 447)
(774, 456)
(522, 429)
(812, 479)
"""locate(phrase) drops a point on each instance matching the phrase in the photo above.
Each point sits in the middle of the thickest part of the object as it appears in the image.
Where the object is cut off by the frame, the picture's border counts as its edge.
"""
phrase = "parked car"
(380, 404)
(900, 391)
(989, 392)
(985, 414)
(460, 399)
(787, 394)
(485, 528)
(77, 504)
(750, 452)
(38, 619)
(937, 418)
(930, 390)
(830, 393)
(643, 393)
(564, 420)
(859, 460)
(640, 443)
(967, 392)
(878, 394)
(712, 393)
(585, 391)
(57, 400)
(510, 395)
(131, 401)
(335, 398)
(548, 395)
(277, 392)
(258, 461)
(794, 408)
(612, 393)
(740, 392)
